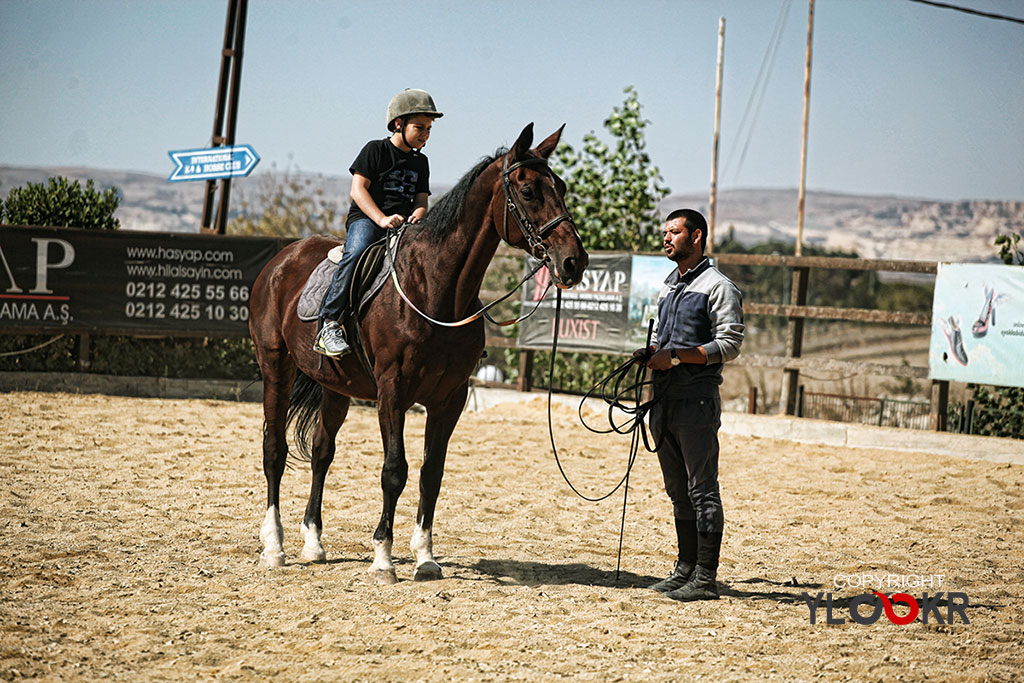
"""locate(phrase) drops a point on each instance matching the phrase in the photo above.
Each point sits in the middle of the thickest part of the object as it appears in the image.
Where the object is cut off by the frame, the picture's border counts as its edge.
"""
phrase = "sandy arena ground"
(128, 538)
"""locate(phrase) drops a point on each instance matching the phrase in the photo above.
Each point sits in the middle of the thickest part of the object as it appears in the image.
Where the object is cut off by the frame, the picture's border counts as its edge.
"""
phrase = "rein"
(393, 254)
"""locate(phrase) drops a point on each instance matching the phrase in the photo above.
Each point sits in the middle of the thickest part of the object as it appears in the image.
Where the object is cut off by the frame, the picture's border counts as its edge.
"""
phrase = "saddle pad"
(313, 293)
(371, 273)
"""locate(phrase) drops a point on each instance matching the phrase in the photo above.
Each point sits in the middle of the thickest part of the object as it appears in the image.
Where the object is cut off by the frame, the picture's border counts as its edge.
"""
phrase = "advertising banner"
(85, 280)
(978, 324)
(607, 312)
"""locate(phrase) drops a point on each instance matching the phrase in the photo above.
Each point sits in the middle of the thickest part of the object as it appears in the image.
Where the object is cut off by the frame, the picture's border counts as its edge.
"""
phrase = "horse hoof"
(271, 559)
(428, 571)
(313, 555)
(385, 577)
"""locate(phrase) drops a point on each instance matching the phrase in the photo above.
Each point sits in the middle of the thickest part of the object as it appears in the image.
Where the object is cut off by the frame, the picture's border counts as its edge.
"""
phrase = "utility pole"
(803, 144)
(798, 294)
(713, 203)
(230, 74)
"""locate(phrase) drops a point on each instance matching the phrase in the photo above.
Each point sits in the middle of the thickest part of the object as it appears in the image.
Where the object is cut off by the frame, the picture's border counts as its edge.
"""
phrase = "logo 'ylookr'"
(927, 608)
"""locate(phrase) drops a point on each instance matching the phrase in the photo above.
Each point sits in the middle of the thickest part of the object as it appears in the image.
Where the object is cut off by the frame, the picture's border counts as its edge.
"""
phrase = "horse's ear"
(522, 145)
(545, 148)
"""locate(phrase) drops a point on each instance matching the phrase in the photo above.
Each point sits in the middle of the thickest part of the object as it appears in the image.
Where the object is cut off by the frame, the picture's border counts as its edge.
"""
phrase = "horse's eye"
(527, 192)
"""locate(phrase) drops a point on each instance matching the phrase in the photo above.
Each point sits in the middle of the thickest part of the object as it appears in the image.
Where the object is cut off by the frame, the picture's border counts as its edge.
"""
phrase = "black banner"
(607, 312)
(594, 313)
(162, 283)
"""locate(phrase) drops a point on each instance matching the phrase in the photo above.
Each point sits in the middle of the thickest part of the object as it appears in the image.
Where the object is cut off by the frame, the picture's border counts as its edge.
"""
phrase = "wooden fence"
(797, 312)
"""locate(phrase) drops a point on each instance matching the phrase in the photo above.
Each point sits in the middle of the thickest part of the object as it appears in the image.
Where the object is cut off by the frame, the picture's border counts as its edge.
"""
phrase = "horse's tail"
(303, 411)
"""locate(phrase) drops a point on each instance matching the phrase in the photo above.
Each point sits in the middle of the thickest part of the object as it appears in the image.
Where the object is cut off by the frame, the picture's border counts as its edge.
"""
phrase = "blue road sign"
(213, 162)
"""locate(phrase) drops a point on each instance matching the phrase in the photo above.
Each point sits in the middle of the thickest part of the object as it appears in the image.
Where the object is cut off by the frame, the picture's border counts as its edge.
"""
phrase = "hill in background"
(870, 226)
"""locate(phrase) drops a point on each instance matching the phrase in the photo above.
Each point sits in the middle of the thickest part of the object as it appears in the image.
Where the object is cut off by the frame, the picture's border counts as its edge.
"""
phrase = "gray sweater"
(699, 308)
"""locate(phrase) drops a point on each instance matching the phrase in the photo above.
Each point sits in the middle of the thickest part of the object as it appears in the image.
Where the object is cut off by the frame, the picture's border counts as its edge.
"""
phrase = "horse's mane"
(441, 219)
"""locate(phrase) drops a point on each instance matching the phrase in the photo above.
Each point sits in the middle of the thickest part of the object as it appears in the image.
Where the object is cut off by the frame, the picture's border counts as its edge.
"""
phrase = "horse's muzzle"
(568, 271)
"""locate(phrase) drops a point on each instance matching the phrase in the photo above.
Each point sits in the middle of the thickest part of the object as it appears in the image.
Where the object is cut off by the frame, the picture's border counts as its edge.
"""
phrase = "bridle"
(534, 236)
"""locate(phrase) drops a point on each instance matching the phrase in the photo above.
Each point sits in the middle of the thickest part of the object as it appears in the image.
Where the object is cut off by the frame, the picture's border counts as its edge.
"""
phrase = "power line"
(967, 10)
(757, 92)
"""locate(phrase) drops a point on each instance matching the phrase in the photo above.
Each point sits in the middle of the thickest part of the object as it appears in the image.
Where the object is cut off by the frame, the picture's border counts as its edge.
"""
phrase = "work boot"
(677, 579)
(701, 586)
(331, 340)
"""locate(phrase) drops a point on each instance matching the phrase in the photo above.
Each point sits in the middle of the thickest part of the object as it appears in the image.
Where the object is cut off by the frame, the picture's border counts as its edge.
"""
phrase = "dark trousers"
(687, 430)
(362, 233)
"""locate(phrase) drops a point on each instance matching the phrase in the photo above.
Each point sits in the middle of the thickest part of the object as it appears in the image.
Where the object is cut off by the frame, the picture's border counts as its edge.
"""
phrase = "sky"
(906, 99)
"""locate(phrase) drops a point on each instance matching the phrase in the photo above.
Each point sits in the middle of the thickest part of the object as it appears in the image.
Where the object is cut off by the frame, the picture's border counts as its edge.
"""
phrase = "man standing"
(700, 326)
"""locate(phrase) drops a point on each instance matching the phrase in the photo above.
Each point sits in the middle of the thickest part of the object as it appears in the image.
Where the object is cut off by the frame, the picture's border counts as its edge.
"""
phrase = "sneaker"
(677, 579)
(701, 586)
(331, 340)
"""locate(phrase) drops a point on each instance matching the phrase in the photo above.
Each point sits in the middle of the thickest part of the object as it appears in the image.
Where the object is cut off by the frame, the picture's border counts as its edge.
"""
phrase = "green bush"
(179, 357)
(38, 353)
(61, 203)
(998, 411)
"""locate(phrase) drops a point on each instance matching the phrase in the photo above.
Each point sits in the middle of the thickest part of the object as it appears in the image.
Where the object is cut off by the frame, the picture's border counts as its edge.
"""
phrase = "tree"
(1010, 250)
(613, 192)
(289, 204)
(61, 203)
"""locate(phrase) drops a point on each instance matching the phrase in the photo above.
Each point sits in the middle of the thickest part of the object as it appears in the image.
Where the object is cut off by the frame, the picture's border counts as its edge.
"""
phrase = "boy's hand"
(390, 222)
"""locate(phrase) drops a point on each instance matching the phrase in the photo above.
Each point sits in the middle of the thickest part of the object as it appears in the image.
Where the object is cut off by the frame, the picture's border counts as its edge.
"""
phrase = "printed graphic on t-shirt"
(401, 181)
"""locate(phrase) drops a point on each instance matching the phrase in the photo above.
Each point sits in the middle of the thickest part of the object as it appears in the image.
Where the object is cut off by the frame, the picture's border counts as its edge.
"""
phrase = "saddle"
(371, 272)
(368, 278)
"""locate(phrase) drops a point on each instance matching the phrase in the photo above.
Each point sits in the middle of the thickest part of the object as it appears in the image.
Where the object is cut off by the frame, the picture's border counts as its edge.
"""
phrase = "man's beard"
(683, 252)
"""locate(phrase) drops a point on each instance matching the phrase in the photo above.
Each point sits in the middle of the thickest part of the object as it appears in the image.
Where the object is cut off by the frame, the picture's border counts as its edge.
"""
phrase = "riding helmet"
(411, 101)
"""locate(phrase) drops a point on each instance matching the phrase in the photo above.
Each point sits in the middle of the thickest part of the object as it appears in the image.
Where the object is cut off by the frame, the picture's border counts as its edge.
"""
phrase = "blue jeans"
(362, 232)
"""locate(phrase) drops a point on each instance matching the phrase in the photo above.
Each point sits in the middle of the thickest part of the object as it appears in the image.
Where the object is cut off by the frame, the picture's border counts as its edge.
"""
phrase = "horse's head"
(530, 212)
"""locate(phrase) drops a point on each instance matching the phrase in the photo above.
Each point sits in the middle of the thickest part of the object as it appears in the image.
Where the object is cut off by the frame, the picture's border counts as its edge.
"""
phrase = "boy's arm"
(419, 207)
(360, 194)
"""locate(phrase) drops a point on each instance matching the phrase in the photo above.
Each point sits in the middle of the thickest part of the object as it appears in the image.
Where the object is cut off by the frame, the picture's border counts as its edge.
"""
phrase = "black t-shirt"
(396, 177)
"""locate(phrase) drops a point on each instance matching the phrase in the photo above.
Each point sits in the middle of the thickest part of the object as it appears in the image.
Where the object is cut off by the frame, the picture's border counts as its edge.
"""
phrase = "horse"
(512, 196)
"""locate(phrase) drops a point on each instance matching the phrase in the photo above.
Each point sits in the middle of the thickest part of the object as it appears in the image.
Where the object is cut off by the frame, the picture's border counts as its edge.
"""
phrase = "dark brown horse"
(513, 197)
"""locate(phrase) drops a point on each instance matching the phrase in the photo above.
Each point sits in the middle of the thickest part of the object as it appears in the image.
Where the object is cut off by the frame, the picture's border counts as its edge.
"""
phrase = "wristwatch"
(672, 355)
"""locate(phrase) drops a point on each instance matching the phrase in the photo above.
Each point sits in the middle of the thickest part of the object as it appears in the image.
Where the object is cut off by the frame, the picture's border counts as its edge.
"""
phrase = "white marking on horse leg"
(422, 546)
(272, 535)
(383, 569)
(313, 550)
